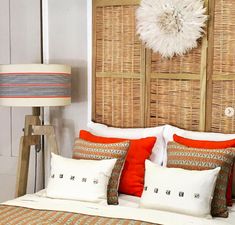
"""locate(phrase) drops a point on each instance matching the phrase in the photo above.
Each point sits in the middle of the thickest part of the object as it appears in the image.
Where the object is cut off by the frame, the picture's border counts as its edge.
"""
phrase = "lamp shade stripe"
(35, 91)
(35, 78)
(65, 74)
(12, 97)
(20, 84)
(35, 85)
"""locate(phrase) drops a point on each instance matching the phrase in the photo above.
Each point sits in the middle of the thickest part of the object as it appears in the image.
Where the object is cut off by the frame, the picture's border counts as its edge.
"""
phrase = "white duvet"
(127, 209)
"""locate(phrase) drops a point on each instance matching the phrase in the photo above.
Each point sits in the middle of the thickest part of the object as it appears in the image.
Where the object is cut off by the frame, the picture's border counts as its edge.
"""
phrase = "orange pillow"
(211, 145)
(204, 143)
(132, 178)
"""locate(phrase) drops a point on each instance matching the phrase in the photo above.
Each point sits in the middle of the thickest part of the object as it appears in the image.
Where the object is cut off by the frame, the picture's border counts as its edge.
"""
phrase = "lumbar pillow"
(98, 151)
(84, 180)
(132, 178)
(211, 145)
(169, 132)
(159, 149)
(178, 190)
(184, 157)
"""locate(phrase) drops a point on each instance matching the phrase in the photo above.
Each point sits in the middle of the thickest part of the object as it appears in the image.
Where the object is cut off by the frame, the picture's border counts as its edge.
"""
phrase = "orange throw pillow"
(204, 143)
(132, 178)
(211, 145)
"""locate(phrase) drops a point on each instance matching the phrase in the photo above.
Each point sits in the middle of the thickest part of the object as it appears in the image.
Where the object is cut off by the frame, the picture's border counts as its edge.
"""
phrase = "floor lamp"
(36, 86)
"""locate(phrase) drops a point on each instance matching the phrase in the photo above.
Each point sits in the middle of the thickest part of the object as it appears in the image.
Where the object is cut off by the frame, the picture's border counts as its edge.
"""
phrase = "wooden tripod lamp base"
(32, 136)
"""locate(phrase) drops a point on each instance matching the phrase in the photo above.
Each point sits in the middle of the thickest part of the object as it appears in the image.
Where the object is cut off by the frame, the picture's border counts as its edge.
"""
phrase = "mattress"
(127, 211)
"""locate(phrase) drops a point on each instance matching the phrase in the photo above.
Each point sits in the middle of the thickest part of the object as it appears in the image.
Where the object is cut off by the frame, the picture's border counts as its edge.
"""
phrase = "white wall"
(67, 43)
(19, 43)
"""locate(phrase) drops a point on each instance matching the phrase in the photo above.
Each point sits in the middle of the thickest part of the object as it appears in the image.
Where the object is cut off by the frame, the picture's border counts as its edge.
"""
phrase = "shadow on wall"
(64, 129)
(79, 82)
(65, 119)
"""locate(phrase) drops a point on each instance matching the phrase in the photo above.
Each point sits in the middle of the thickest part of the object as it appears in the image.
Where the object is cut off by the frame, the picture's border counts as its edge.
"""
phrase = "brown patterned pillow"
(97, 151)
(180, 156)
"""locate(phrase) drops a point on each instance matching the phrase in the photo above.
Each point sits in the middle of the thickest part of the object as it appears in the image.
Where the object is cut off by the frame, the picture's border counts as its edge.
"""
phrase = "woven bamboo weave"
(133, 87)
(189, 63)
(175, 101)
(119, 74)
(223, 91)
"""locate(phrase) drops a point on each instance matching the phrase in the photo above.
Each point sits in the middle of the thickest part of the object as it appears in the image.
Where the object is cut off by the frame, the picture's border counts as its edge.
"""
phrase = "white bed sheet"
(127, 209)
(132, 201)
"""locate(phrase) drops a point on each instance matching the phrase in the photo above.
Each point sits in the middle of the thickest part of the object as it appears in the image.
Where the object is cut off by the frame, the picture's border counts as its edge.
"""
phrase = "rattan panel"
(223, 96)
(174, 93)
(113, 108)
(224, 37)
(223, 88)
(175, 102)
(118, 48)
(119, 69)
(189, 63)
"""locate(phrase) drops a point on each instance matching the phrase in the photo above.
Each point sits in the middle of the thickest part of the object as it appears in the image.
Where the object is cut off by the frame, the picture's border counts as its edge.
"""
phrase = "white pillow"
(169, 131)
(178, 190)
(159, 148)
(84, 180)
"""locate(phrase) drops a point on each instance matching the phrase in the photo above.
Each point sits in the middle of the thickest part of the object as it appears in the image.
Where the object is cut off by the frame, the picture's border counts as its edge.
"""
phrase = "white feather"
(171, 27)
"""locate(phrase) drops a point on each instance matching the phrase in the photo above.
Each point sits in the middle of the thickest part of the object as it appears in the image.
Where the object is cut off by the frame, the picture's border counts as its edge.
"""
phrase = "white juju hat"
(171, 27)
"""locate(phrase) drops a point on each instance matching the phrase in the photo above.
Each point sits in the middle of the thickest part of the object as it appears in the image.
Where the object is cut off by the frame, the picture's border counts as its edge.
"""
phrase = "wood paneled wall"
(133, 87)
(20, 42)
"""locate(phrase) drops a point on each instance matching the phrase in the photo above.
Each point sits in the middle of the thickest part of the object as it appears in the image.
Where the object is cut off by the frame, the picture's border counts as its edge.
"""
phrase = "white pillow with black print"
(177, 190)
(83, 180)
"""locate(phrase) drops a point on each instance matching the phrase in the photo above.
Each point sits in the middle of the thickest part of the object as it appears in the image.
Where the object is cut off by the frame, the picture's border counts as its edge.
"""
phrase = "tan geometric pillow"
(97, 151)
(180, 156)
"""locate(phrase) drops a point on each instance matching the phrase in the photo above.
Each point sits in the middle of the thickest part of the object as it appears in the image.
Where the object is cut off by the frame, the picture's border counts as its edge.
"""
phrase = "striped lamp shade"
(35, 85)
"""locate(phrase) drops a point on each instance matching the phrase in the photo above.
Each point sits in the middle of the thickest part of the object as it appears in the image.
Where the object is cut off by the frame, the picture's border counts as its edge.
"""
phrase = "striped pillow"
(180, 156)
(97, 151)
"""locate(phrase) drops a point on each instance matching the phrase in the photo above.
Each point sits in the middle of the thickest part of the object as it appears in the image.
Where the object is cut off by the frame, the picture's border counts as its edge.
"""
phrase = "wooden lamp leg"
(32, 133)
(24, 154)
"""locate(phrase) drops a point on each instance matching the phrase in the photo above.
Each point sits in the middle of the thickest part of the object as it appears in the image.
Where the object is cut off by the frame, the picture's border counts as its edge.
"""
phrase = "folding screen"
(119, 65)
(221, 73)
(133, 87)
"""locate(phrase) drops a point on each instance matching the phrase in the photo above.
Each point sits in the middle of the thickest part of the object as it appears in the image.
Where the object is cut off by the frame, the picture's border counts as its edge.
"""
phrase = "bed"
(41, 208)
(38, 209)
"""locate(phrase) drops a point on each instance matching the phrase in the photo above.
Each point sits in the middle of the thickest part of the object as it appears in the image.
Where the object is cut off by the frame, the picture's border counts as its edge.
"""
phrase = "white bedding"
(127, 209)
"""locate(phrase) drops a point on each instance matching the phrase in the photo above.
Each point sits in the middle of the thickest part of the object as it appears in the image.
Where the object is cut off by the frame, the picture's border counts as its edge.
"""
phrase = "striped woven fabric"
(33, 85)
(11, 215)
(180, 156)
(97, 151)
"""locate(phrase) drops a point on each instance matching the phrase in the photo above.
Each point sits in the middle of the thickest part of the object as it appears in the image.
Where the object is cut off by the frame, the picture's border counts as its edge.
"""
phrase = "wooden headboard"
(133, 87)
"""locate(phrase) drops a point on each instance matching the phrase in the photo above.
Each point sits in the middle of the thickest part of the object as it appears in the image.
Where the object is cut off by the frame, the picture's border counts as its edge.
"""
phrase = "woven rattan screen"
(174, 90)
(222, 90)
(133, 87)
(119, 66)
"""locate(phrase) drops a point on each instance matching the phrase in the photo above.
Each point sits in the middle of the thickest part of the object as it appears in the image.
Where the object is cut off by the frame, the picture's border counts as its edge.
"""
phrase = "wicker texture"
(135, 90)
(118, 102)
(118, 48)
(224, 37)
(119, 77)
(223, 66)
(189, 63)
(223, 96)
(175, 102)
